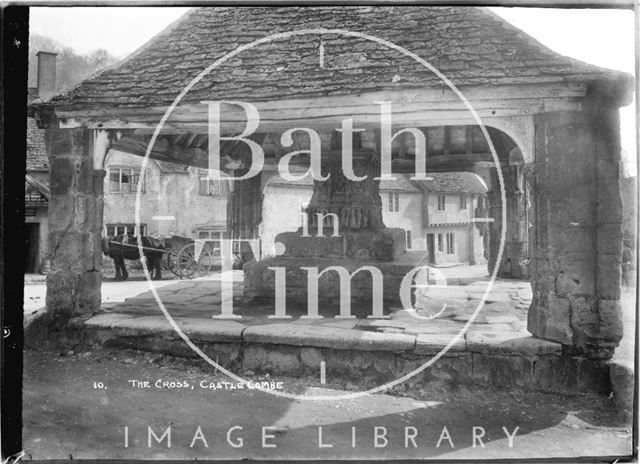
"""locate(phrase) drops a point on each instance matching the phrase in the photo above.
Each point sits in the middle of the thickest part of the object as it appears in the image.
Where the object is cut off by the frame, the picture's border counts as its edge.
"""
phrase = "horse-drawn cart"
(185, 257)
(188, 258)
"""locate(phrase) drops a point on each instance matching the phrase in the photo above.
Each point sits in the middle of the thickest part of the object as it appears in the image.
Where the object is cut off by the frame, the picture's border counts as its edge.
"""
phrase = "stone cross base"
(260, 281)
(375, 245)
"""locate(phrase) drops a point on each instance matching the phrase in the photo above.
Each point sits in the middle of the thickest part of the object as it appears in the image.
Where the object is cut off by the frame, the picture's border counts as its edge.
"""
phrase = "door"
(31, 247)
(431, 250)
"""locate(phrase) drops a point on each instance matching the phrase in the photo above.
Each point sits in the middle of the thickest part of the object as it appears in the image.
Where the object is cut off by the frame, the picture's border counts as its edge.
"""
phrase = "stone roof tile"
(471, 46)
(453, 182)
(37, 159)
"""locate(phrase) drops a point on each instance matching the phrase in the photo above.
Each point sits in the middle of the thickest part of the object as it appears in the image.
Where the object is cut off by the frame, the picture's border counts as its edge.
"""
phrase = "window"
(450, 246)
(125, 229)
(212, 187)
(124, 180)
(440, 243)
(394, 202)
(441, 202)
(463, 202)
(408, 235)
(213, 239)
(209, 234)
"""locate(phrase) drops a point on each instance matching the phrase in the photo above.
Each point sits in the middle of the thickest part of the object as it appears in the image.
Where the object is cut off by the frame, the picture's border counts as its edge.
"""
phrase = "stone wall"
(576, 254)
(75, 224)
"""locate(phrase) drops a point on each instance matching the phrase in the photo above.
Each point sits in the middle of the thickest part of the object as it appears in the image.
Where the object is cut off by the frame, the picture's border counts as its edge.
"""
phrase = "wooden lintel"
(428, 106)
(444, 163)
(137, 145)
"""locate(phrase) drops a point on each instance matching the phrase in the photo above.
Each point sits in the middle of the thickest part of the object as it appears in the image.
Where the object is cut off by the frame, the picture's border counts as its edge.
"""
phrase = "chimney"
(46, 74)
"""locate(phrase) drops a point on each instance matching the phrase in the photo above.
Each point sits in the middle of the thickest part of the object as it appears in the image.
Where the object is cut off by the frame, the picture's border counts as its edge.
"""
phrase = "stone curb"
(487, 359)
(215, 330)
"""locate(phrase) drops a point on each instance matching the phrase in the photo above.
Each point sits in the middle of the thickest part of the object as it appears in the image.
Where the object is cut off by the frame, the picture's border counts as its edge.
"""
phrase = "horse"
(121, 247)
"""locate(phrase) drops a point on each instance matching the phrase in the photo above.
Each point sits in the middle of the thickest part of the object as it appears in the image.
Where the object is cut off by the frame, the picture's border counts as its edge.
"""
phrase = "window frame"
(451, 249)
(393, 202)
(463, 201)
(222, 186)
(134, 174)
(125, 227)
(441, 207)
(440, 241)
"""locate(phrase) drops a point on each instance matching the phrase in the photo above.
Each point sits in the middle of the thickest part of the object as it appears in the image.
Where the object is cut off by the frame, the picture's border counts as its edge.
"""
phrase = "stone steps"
(496, 360)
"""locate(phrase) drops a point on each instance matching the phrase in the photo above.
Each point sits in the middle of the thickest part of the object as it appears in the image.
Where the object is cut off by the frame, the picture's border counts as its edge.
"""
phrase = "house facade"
(175, 199)
(452, 204)
(437, 215)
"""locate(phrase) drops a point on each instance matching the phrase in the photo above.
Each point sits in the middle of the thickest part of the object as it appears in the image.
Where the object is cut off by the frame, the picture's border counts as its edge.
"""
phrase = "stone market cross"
(554, 122)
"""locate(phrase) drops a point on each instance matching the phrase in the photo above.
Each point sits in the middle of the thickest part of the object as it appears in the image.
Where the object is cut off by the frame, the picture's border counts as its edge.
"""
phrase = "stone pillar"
(514, 263)
(75, 224)
(358, 207)
(357, 204)
(609, 229)
(576, 252)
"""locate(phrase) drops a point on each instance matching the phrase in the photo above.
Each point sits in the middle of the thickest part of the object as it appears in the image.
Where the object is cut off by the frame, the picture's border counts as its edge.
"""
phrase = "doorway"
(431, 250)
(32, 246)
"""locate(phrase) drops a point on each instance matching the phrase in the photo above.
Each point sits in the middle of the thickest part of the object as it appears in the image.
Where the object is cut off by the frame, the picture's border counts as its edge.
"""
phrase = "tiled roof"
(167, 167)
(401, 183)
(37, 159)
(453, 182)
(469, 45)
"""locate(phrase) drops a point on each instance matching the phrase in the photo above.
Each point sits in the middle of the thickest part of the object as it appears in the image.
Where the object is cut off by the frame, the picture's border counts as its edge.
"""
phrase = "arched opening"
(452, 220)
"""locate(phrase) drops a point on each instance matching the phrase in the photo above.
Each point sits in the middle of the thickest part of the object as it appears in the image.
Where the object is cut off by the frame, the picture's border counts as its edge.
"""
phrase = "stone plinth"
(349, 207)
(377, 245)
(260, 281)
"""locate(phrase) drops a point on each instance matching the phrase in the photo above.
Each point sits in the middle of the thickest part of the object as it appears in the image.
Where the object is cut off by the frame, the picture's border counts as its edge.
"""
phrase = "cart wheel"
(172, 264)
(190, 267)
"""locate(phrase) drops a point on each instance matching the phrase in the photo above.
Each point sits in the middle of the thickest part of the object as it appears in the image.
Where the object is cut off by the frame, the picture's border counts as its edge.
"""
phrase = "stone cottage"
(451, 228)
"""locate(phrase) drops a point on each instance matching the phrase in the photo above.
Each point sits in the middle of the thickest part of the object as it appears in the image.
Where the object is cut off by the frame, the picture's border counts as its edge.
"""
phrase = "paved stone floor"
(505, 308)
(500, 321)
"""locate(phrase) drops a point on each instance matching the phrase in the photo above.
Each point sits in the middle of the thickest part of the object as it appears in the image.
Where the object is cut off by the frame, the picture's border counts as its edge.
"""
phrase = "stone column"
(358, 207)
(75, 224)
(357, 204)
(515, 253)
(576, 252)
(609, 229)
